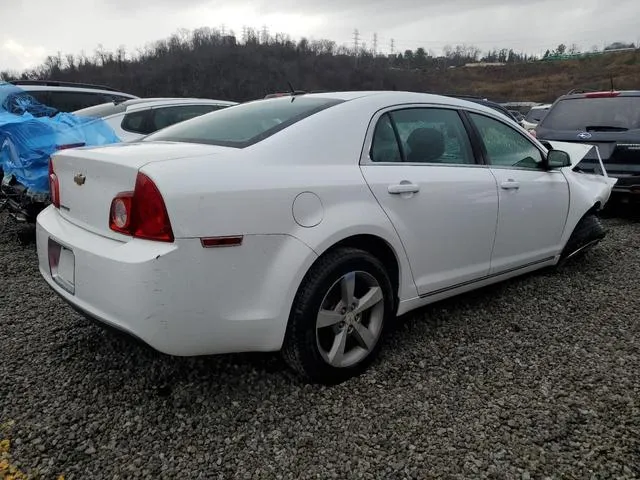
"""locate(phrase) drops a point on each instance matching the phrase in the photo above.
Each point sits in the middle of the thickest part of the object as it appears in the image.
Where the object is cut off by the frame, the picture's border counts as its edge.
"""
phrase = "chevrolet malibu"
(306, 224)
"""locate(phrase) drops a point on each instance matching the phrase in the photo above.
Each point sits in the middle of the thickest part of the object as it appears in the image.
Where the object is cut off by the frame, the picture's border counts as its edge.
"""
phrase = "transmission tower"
(375, 44)
(393, 46)
(356, 40)
(265, 34)
(223, 29)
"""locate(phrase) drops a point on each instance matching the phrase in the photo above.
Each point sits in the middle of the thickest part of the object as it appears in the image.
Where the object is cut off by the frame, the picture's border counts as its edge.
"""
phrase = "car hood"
(576, 151)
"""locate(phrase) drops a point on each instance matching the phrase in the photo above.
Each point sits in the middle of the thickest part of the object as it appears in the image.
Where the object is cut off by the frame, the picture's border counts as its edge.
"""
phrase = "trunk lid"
(90, 178)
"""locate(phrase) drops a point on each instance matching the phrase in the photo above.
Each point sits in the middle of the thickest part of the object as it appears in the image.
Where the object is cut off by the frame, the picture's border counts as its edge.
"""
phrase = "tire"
(588, 232)
(309, 348)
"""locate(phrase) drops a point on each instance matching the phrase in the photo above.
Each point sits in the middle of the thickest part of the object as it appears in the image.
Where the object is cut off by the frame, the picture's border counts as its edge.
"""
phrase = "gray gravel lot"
(535, 378)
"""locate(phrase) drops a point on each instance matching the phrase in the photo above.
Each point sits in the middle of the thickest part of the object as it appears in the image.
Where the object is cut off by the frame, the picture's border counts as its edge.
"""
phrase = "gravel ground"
(534, 378)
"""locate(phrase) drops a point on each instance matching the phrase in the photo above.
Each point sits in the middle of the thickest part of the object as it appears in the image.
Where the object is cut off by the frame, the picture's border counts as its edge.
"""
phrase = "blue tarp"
(31, 132)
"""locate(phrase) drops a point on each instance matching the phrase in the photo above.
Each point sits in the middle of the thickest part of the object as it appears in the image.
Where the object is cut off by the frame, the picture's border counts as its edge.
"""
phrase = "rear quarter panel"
(252, 191)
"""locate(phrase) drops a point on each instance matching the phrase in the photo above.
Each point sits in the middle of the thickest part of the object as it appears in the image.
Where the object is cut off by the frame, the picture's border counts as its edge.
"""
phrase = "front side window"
(505, 146)
(425, 135)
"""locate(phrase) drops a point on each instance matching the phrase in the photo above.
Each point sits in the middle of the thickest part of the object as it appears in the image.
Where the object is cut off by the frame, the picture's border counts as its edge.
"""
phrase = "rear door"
(533, 201)
(423, 171)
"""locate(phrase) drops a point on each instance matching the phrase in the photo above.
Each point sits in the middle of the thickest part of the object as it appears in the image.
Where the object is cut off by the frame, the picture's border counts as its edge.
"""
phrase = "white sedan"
(305, 224)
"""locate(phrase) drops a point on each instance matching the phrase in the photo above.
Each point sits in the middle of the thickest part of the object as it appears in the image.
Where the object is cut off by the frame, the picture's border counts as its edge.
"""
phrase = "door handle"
(510, 185)
(403, 188)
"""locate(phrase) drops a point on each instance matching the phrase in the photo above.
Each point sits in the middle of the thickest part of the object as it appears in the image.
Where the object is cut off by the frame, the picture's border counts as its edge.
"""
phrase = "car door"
(533, 201)
(422, 169)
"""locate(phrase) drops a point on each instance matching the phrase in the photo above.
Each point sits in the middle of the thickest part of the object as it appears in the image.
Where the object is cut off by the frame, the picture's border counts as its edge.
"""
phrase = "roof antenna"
(293, 91)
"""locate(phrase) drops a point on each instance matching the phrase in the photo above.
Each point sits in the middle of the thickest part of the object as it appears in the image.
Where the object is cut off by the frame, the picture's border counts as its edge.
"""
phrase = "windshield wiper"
(605, 128)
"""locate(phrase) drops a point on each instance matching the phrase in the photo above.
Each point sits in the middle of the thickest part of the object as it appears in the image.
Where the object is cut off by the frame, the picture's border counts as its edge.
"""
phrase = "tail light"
(141, 213)
(601, 94)
(54, 186)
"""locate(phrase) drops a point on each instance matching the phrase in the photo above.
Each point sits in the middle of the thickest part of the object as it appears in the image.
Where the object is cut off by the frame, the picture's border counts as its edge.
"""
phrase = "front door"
(533, 201)
(443, 204)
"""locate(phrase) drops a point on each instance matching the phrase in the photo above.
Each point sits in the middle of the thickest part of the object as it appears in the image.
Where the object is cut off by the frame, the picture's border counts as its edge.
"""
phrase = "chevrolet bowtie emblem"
(79, 178)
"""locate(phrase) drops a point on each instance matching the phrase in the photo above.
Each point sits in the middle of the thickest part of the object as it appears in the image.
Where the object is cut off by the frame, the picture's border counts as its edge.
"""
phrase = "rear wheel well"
(380, 249)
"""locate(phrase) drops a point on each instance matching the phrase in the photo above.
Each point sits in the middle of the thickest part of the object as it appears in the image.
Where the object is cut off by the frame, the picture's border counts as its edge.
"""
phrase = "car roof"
(56, 88)
(600, 93)
(391, 96)
(113, 108)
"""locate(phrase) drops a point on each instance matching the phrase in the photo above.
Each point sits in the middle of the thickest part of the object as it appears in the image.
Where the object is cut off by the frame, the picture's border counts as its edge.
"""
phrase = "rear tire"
(338, 317)
(588, 232)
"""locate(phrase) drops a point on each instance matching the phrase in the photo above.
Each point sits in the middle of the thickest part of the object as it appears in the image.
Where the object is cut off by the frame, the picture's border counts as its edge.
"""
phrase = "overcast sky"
(32, 29)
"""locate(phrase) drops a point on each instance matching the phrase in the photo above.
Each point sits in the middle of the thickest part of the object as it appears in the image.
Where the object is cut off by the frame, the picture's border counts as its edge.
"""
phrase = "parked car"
(305, 224)
(70, 96)
(517, 115)
(133, 119)
(29, 132)
(488, 103)
(534, 116)
(610, 120)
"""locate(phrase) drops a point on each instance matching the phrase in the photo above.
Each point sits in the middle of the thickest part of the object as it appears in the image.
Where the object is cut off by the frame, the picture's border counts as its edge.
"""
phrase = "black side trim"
(486, 277)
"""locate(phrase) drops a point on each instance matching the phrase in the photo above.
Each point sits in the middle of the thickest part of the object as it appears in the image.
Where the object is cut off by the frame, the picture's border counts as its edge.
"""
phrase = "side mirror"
(558, 159)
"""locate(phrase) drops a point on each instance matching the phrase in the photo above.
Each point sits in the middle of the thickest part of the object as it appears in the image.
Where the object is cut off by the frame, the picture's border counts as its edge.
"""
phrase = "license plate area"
(62, 265)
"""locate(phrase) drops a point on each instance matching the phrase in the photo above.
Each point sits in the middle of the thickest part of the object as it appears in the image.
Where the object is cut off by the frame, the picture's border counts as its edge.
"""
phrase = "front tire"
(338, 317)
(588, 232)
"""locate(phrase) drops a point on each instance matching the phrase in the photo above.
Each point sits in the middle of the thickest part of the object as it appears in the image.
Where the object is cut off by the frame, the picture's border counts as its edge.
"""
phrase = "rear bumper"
(180, 298)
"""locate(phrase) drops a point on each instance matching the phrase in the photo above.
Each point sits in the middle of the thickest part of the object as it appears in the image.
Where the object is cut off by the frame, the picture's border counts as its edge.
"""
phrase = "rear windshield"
(536, 114)
(245, 124)
(580, 113)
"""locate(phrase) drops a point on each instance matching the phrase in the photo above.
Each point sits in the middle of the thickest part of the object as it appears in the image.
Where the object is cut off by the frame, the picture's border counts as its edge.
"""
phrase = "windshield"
(243, 125)
(536, 114)
(592, 113)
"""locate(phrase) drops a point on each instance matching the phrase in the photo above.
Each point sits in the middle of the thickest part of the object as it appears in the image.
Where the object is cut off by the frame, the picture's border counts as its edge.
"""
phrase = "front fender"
(585, 191)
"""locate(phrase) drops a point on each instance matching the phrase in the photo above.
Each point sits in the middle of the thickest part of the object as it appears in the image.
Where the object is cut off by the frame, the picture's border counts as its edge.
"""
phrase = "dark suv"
(609, 120)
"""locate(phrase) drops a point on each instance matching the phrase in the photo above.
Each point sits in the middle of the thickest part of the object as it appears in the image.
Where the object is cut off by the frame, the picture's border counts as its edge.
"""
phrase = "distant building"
(485, 64)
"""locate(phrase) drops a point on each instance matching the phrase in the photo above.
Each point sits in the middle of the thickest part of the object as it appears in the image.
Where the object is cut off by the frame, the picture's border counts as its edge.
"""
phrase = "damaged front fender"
(587, 191)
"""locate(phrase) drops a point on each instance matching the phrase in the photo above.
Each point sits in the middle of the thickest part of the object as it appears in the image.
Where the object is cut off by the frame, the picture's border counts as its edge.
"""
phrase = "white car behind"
(305, 224)
(133, 119)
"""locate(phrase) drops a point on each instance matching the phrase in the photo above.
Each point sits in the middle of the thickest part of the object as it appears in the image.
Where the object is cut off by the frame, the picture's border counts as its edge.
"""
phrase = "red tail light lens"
(54, 186)
(601, 94)
(141, 213)
(120, 214)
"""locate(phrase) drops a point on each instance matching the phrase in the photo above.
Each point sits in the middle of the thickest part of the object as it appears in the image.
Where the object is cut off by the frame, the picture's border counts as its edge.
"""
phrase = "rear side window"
(598, 114)
(166, 116)
(138, 122)
(426, 135)
(71, 101)
(245, 124)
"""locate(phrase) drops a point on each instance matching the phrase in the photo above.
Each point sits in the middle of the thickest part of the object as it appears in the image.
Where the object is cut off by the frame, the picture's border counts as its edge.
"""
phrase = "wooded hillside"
(205, 63)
